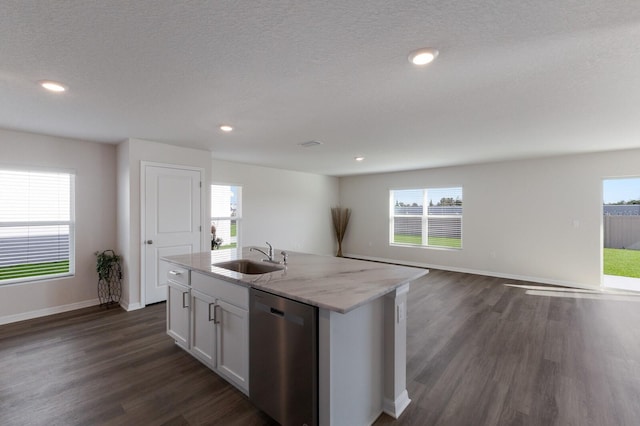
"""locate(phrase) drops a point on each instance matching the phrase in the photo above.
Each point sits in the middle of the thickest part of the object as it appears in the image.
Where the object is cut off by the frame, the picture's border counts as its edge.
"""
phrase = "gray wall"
(291, 210)
(539, 220)
(94, 165)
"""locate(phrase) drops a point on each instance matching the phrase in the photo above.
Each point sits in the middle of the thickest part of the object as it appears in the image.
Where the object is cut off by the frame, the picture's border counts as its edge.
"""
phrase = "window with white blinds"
(36, 225)
(226, 217)
(428, 217)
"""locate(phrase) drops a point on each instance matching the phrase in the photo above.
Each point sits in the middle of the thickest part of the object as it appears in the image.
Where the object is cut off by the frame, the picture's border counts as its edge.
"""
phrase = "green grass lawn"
(433, 241)
(228, 246)
(621, 262)
(234, 233)
(34, 269)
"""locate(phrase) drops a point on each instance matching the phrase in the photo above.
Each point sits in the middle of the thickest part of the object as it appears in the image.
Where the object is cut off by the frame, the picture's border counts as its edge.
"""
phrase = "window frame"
(237, 218)
(425, 217)
(71, 223)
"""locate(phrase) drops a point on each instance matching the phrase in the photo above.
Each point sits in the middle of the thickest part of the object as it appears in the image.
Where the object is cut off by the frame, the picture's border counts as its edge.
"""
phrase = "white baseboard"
(395, 408)
(130, 306)
(477, 272)
(48, 311)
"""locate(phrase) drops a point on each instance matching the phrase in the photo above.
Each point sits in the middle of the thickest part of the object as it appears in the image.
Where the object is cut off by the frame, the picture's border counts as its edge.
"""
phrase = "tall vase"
(340, 218)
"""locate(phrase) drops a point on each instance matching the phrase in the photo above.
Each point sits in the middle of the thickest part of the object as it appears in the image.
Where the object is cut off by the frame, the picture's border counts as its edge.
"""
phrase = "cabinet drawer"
(234, 294)
(177, 274)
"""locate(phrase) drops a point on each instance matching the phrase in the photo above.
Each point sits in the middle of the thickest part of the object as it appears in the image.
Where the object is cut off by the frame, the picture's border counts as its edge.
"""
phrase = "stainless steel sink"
(246, 266)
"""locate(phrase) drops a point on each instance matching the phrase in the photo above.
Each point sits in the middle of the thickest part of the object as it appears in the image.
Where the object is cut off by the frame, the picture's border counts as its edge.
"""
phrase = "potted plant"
(109, 269)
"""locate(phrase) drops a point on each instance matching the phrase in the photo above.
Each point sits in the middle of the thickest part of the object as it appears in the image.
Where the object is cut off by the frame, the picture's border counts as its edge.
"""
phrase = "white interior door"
(172, 223)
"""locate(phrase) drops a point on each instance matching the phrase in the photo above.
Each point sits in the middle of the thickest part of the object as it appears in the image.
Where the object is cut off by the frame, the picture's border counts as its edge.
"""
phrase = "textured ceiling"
(513, 79)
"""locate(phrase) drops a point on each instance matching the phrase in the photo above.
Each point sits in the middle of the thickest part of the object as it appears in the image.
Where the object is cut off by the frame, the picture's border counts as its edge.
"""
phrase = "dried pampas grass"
(340, 218)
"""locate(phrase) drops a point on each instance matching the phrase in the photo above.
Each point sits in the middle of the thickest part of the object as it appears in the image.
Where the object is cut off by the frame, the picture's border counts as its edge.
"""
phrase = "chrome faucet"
(270, 256)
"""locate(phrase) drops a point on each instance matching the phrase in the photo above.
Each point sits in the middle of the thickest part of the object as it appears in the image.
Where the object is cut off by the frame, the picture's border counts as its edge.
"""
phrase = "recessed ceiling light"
(226, 128)
(53, 86)
(423, 56)
(358, 158)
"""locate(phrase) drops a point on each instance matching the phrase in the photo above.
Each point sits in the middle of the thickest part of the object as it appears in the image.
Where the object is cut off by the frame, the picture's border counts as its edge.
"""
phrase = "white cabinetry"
(220, 327)
(203, 311)
(232, 341)
(209, 318)
(178, 312)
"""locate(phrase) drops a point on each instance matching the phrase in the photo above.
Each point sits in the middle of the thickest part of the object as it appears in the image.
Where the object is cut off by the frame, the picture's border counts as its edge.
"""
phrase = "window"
(36, 225)
(226, 215)
(439, 225)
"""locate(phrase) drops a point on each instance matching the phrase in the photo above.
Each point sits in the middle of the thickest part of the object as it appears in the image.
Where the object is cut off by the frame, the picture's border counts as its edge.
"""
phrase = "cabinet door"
(178, 313)
(232, 333)
(203, 327)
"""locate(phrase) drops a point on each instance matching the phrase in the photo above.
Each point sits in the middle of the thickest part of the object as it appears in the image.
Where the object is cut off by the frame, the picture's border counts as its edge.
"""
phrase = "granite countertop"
(333, 283)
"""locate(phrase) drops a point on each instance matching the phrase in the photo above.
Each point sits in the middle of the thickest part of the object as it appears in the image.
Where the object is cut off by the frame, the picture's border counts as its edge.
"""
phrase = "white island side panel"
(351, 365)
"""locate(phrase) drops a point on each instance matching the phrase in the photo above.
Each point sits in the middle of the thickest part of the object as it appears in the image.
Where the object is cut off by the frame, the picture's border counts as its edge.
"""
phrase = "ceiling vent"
(309, 144)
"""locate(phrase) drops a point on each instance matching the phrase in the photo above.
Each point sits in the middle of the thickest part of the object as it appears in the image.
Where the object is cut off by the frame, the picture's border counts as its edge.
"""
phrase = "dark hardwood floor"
(479, 353)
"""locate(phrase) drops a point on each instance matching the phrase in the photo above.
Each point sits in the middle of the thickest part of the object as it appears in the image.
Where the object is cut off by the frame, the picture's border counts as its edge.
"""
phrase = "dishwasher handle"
(287, 316)
(277, 312)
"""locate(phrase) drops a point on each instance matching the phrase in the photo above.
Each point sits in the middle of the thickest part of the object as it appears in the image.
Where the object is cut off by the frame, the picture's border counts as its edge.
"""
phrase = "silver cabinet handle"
(176, 273)
(214, 312)
(216, 320)
(184, 304)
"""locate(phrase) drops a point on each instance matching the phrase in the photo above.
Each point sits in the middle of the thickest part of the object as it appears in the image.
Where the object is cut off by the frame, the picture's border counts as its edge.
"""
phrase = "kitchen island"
(361, 325)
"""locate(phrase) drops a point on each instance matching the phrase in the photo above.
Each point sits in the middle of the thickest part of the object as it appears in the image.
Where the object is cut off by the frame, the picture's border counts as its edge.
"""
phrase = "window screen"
(226, 216)
(430, 217)
(36, 225)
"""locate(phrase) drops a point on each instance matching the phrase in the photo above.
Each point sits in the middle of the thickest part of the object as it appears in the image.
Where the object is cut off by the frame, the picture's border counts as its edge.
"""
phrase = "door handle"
(184, 304)
(149, 242)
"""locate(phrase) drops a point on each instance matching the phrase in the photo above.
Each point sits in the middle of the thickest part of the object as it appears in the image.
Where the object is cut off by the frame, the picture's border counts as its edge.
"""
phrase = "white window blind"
(226, 216)
(36, 225)
(430, 217)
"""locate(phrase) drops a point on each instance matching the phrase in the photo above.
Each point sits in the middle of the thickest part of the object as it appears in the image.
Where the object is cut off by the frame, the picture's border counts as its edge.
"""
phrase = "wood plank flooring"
(479, 353)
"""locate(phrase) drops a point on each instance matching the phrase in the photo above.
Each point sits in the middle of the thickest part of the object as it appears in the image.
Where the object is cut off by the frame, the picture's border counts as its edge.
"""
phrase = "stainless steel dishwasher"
(283, 361)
